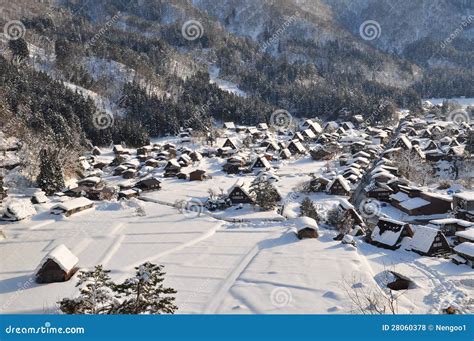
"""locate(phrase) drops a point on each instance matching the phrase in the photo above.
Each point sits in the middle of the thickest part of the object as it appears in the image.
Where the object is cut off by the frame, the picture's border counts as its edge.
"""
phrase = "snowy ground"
(463, 101)
(224, 84)
(218, 267)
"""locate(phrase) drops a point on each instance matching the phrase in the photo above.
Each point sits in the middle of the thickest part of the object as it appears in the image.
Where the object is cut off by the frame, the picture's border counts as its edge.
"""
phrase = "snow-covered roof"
(72, 204)
(467, 195)
(438, 196)
(263, 160)
(309, 133)
(399, 196)
(268, 175)
(132, 163)
(19, 209)
(62, 256)
(298, 145)
(305, 222)
(466, 248)
(353, 170)
(129, 191)
(345, 204)
(92, 179)
(40, 197)
(467, 234)
(229, 125)
(243, 187)
(446, 221)
(348, 239)
(414, 203)
(406, 141)
(362, 153)
(391, 150)
(383, 173)
(342, 181)
(387, 237)
(423, 238)
(174, 163)
(185, 157)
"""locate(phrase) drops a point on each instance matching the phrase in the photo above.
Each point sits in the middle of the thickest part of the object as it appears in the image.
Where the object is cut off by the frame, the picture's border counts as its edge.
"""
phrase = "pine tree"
(19, 49)
(308, 209)
(145, 293)
(266, 196)
(96, 294)
(342, 220)
(50, 178)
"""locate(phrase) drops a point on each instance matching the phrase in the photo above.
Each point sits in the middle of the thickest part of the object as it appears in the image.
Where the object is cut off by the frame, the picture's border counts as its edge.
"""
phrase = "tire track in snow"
(114, 246)
(213, 306)
(180, 247)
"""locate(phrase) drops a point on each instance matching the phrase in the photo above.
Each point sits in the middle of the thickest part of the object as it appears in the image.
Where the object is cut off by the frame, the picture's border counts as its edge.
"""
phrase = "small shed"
(465, 236)
(129, 173)
(149, 184)
(197, 175)
(128, 193)
(306, 227)
(152, 163)
(70, 207)
(172, 168)
(59, 265)
(465, 254)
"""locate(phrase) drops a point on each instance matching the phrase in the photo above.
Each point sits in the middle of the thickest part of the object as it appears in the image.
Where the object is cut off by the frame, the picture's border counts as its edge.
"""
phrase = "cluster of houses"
(358, 156)
(451, 235)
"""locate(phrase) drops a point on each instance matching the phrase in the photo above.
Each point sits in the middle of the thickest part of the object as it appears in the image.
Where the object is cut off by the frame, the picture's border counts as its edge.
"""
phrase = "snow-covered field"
(217, 266)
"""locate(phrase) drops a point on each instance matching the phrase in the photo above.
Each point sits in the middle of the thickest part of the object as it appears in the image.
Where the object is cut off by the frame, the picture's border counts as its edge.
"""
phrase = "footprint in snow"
(358, 285)
(331, 295)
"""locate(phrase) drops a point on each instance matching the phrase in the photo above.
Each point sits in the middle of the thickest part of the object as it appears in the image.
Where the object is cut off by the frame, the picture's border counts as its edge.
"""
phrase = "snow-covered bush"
(308, 209)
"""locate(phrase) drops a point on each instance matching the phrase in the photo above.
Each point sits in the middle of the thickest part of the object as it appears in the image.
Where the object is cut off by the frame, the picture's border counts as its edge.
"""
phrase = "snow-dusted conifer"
(96, 294)
(50, 178)
(145, 293)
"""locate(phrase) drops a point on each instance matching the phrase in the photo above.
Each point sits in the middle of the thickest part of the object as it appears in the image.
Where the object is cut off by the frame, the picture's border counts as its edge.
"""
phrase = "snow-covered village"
(281, 218)
(238, 167)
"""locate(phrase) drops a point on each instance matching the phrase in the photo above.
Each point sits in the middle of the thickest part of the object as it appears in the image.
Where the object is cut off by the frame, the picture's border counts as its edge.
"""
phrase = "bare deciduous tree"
(372, 299)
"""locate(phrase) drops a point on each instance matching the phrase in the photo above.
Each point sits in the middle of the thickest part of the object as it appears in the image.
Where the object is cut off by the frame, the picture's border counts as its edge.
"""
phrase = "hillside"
(141, 69)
